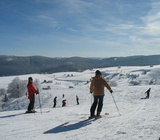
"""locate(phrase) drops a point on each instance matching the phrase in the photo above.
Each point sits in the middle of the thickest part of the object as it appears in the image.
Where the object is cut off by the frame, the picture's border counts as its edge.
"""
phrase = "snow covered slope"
(139, 119)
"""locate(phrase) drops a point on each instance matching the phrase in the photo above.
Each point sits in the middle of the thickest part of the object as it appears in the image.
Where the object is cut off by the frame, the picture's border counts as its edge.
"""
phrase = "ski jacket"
(31, 90)
(55, 100)
(97, 85)
(64, 101)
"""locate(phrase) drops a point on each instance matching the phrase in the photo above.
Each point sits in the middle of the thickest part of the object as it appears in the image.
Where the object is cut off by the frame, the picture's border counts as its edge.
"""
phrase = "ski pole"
(40, 103)
(115, 104)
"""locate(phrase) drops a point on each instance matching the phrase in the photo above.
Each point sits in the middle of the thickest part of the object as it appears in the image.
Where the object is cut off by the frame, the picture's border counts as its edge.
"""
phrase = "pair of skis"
(32, 112)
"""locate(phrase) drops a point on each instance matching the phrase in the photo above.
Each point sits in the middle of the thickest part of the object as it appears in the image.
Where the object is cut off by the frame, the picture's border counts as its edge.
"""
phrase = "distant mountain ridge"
(16, 65)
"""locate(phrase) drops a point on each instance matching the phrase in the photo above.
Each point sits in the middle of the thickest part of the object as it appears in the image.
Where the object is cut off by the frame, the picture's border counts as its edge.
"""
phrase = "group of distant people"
(64, 101)
(97, 86)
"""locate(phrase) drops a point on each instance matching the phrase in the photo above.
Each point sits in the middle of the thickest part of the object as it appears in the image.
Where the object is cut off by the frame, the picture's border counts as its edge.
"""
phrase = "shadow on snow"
(11, 115)
(68, 127)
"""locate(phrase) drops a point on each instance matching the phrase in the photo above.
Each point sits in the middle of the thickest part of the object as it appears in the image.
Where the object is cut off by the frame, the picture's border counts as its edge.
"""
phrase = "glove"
(90, 92)
(111, 91)
(37, 92)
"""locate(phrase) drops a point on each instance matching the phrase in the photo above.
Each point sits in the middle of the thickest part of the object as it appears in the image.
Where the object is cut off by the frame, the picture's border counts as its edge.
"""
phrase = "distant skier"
(97, 88)
(55, 101)
(77, 99)
(63, 101)
(148, 93)
(31, 95)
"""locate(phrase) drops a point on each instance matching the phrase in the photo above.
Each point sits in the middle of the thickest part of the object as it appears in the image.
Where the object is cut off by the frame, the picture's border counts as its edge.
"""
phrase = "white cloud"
(152, 21)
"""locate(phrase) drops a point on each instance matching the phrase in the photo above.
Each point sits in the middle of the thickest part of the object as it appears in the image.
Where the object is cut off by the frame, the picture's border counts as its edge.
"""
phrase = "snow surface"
(139, 120)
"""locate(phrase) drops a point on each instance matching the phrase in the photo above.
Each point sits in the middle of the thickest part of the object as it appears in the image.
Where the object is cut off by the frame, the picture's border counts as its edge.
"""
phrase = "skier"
(63, 101)
(148, 93)
(31, 95)
(77, 99)
(97, 88)
(55, 101)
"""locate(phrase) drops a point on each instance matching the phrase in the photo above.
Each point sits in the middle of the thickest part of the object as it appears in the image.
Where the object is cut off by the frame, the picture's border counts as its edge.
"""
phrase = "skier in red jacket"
(31, 95)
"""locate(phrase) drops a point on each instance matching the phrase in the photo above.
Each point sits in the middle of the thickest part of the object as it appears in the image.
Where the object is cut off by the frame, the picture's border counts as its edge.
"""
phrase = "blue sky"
(85, 28)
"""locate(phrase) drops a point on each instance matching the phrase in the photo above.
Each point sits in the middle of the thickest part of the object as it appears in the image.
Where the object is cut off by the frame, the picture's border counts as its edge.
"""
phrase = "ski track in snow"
(139, 119)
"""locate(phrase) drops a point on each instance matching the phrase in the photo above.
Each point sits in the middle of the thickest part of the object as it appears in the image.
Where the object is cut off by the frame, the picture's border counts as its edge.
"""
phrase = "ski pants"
(98, 100)
(31, 104)
(54, 104)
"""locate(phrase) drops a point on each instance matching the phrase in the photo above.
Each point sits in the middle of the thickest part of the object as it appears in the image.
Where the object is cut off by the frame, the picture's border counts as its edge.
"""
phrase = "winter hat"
(30, 78)
(98, 72)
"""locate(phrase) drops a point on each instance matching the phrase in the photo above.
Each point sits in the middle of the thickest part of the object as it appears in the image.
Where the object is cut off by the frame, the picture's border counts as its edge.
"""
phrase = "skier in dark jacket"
(148, 93)
(55, 101)
(31, 95)
(97, 88)
(77, 99)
